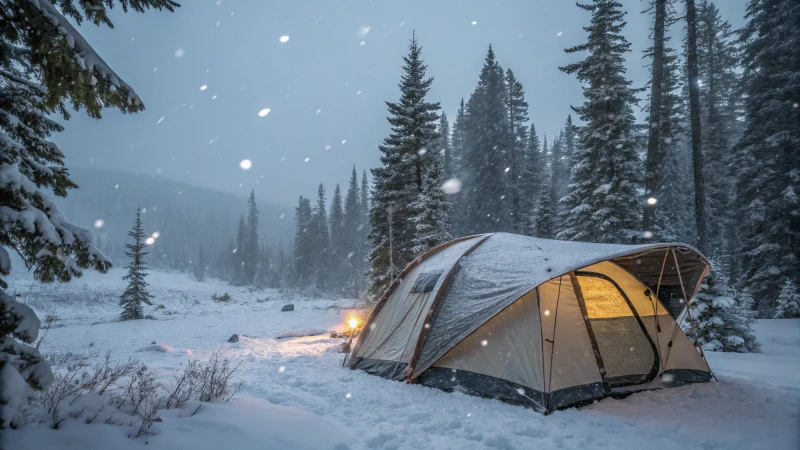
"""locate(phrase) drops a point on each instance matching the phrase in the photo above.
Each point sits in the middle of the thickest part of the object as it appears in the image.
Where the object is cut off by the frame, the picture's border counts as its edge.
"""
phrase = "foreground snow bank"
(245, 423)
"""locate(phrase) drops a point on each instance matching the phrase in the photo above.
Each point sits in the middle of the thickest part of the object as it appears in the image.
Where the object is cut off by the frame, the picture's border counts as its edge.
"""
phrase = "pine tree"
(239, 260)
(303, 250)
(351, 246)
(530, 181)
(560, 161)
(338, 243)
(542, 223)
(788, 302)
(429, 216)
(403, 181)
(444, 146)
(487, 155)
(767, 157)
(458, 145)
(518, 135)
(602, 204)
(667, 166)
(136, 293)
(320, 238)
(45, 63)
(720, 107)
(721, 324)
(250, 250)
(200, 265)
(364, 228)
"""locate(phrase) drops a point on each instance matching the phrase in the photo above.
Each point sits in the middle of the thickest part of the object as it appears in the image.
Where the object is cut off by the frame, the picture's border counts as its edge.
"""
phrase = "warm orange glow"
(353, 322)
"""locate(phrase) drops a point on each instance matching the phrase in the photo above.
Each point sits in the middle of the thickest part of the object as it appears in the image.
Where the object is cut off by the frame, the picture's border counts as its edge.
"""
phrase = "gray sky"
(325, 86)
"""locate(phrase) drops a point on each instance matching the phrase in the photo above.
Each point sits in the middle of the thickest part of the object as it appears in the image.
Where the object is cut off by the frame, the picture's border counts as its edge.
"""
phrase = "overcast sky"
(325, 87)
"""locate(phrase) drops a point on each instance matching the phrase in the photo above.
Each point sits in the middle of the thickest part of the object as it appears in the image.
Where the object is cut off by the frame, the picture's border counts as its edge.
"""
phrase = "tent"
(544, 323)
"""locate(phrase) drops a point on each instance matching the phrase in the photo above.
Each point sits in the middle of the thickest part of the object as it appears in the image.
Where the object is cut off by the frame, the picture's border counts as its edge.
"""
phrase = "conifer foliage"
(45, 63)
(767, 156)
(724, 322)
(788, 302)
(602, 205)
(136, 293)
(407, 203)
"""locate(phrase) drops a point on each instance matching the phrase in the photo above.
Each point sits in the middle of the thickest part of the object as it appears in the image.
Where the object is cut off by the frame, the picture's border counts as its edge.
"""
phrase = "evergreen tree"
(239, 260)
(602, 204)
(487, 155)
(530, 181)
(303, 253)
(338, 243)
(542, 223)
(444, 146)
(429, 216)
(560, 164)
(45, 63)
(250, 251)
(721, 324)
(200, 265)
(720, 107)
(403, 181)
(320, 235)
(767, 157)
(458, 145)
(364, 245)
(788, 302)
(351, 246)
(518, 135)
(136, 293)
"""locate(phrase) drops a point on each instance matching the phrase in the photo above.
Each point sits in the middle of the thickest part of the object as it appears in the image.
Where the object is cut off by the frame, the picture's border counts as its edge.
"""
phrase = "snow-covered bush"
(788, 302)
(723, 319)
(22, 368)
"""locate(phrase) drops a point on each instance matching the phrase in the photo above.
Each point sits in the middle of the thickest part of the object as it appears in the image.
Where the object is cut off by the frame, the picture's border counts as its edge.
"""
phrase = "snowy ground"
(298, 395)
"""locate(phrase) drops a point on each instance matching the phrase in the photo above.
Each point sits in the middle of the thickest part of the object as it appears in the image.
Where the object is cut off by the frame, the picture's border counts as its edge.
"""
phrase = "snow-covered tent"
(545, 323)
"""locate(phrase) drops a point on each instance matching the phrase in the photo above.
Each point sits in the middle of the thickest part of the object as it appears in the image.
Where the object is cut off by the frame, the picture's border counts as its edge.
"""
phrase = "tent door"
(629, 355)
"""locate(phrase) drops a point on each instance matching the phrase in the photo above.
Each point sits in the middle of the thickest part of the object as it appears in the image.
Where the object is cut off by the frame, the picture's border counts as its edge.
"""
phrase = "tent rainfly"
(544, 323)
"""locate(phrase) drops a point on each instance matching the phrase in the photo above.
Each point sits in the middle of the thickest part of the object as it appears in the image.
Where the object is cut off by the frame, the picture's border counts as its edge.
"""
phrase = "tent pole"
(655, 311)
(689, 313)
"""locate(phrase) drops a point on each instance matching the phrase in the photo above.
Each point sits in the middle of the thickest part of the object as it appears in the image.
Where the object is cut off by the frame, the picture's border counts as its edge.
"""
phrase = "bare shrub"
(184, 388)
(216, 379)
(105, 374)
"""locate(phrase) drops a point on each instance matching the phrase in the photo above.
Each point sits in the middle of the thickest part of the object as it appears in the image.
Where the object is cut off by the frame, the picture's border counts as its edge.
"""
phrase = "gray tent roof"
(506, 266)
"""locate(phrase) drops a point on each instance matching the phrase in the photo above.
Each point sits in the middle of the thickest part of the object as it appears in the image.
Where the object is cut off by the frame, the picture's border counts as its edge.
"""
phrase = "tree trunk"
(694, 113)
(655, 158)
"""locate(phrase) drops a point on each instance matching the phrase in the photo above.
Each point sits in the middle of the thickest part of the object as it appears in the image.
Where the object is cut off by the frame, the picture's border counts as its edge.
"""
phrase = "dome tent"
(544, 323)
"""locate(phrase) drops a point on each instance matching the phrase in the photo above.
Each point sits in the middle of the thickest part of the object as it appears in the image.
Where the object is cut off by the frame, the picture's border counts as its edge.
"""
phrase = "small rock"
(234, 338)
(289, 307)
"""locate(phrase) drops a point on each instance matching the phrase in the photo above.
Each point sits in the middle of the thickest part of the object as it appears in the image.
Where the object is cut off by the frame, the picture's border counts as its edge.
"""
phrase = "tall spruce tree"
(444, 146)
(239, 260)
(530, 180)
(767, 156)
(603, 205)
(250, 251)
(200, 265)
(544, 215)
(408, 170)
(518, 135)
(338, 243)
(136, 293)
(720, 108)
(303, 250)
(458, 144)
(351, 229)
(487, 154)
(320, 235)
(45, 64)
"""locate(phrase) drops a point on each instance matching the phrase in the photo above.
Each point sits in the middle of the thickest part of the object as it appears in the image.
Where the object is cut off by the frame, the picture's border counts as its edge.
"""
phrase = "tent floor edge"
(480, 385)
(391, 370)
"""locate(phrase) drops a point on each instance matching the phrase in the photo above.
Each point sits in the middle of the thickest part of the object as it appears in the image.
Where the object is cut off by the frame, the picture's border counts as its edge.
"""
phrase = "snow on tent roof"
(506, 266)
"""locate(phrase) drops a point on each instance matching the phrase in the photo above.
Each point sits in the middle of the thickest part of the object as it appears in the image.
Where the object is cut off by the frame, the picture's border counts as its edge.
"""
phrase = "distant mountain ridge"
(185, 216)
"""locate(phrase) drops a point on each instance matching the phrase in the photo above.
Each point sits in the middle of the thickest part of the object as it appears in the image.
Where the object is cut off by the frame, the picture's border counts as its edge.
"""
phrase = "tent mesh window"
(626, 350)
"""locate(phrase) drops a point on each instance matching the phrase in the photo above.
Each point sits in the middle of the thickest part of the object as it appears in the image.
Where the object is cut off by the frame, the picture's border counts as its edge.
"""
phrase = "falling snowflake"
(327, 147)
(363, 31)
(484, 342)
(348, 395)
(652, 201)
(452, 186)
(647, 234)
(246, 164)
(116, 186)
(156, 234)
(560, 33)
(264, 112)
(546, 312)
(422, 151)
(204, 87)
(179, 53)
(343, 142)
(507, 169)
(150, 241)
(350, 255)
(281, 369)
(99, 223)
(307, 160)
(474, 22)
(284, 39)
(282, 216)
(160, 120)
(362, 43)
(319, 111)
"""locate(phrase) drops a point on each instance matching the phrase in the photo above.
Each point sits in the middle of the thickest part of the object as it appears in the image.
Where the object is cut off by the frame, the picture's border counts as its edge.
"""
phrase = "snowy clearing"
(298, 395)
